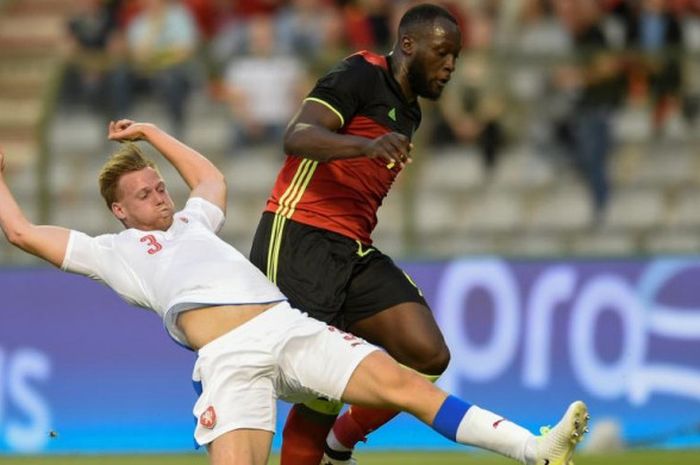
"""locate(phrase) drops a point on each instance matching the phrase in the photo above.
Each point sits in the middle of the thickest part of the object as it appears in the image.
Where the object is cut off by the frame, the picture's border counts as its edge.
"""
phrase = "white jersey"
(185, 267)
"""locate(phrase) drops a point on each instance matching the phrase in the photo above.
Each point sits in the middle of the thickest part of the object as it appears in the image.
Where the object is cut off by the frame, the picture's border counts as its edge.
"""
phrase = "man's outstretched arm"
(204, 179)
(47, 242)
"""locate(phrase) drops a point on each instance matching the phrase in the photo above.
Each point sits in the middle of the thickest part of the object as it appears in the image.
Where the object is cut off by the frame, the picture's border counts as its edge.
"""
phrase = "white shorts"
(281, 353)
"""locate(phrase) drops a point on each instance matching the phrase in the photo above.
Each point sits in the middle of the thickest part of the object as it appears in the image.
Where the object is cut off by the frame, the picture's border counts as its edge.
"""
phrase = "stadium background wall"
(526, 337)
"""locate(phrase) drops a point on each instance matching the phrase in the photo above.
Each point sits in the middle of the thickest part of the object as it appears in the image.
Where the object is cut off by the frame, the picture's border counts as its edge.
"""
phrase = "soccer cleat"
(556, 445)
(326, 460)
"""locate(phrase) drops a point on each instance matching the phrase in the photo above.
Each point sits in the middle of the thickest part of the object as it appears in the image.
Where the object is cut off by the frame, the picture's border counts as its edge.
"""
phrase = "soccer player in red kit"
(345, 147)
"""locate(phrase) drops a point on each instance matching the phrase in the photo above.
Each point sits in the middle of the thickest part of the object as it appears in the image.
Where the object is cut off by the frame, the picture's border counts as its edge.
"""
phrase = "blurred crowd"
(553, 71)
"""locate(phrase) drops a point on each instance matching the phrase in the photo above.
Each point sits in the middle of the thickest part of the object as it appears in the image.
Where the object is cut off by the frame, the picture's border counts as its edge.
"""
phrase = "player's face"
(434, 61)
(143, 201)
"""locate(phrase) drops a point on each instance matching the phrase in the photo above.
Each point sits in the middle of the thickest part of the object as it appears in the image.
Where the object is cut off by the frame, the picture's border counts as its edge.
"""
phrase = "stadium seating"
(531, 205)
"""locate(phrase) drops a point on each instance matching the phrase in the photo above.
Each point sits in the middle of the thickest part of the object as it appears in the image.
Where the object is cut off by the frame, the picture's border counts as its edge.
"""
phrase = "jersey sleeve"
(85, 254)
(205, 212)
(345, 87)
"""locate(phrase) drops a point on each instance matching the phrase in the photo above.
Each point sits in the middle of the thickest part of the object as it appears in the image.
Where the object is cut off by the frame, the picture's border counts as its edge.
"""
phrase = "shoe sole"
(580, 417)
(577, 418)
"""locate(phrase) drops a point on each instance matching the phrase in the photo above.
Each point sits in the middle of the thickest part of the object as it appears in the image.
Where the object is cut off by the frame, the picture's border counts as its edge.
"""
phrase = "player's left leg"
(378, 381)
(241, 447)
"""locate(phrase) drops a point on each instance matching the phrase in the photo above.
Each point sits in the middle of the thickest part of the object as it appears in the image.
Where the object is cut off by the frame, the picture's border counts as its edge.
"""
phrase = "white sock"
(334, 444)
(487, 430)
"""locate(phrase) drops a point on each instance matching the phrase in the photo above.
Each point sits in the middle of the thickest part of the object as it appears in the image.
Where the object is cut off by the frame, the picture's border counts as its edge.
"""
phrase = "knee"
(431, 361)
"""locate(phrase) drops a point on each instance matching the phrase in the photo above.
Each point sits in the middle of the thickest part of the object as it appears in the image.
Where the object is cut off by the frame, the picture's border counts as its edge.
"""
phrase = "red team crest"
(208, 418)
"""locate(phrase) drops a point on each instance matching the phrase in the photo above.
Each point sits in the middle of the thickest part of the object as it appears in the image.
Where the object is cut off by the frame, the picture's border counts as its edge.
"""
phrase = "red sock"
(304, 436)
(352, 426)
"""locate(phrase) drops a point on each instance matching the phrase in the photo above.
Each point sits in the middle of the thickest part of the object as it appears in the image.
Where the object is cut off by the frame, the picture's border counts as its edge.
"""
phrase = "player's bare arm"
(312, 133)
(46, 242)
(203, 178)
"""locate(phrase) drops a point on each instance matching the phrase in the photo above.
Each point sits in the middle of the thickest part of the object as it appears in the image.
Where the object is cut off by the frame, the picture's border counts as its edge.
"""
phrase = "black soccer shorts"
(331, 277)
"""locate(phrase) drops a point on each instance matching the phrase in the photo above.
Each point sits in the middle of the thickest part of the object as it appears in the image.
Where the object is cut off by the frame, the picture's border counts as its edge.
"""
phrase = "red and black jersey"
(344, 195)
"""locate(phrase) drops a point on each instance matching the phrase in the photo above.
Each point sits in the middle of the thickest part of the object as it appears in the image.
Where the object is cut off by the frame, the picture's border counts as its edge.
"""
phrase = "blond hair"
(127, 159)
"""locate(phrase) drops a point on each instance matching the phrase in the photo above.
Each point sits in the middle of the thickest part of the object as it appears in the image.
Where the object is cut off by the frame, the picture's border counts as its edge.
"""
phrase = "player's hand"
(393, 148)
(127, 130)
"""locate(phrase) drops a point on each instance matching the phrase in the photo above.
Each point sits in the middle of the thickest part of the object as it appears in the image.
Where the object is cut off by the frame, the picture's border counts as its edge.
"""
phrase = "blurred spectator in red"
(206, 14)
(161, 43)
(263, 87)
(127, 11)
(251, 8)
(209, 14)
(367, 23)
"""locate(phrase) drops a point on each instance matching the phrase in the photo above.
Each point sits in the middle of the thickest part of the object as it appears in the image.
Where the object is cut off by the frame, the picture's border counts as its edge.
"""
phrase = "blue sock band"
(450, 416)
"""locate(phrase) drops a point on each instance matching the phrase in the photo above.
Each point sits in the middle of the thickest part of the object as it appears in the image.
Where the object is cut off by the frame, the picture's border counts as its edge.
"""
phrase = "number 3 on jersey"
(153, 244)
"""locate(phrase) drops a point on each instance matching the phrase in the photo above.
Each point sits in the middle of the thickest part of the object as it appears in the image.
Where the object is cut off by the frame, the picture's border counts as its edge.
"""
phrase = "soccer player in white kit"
(252, 346)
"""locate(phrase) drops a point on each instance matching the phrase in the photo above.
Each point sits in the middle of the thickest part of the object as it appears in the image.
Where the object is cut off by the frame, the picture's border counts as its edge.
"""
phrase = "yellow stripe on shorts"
(287, 204)
(420, 293)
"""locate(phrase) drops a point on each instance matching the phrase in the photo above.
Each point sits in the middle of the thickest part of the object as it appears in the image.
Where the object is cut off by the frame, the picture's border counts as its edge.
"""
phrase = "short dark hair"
(425, 13)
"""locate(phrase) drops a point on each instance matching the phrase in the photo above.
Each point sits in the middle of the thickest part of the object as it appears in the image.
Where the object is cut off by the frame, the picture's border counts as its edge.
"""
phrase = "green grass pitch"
(639, 457)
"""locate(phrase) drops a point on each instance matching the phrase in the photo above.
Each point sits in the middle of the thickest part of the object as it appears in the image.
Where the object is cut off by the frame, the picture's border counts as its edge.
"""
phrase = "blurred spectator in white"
(472, 109)
(597, 82)
(161, 43)
(92, 50)
(263, 87)
(208, 15)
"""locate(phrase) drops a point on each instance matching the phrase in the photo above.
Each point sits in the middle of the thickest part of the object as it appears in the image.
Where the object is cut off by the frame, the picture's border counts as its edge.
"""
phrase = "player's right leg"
(241, 447)
(235, 410)
(378, 381)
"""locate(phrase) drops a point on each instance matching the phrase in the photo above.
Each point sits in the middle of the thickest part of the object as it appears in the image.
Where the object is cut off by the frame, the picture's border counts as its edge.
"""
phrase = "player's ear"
(408, 44)
(118, 211)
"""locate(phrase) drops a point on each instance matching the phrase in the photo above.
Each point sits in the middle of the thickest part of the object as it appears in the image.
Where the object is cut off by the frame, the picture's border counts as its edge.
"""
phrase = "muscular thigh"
(409, 333)
(385, 307)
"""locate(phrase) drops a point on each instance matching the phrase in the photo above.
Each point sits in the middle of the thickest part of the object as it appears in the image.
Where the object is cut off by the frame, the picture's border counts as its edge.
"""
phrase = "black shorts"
(329, 276)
